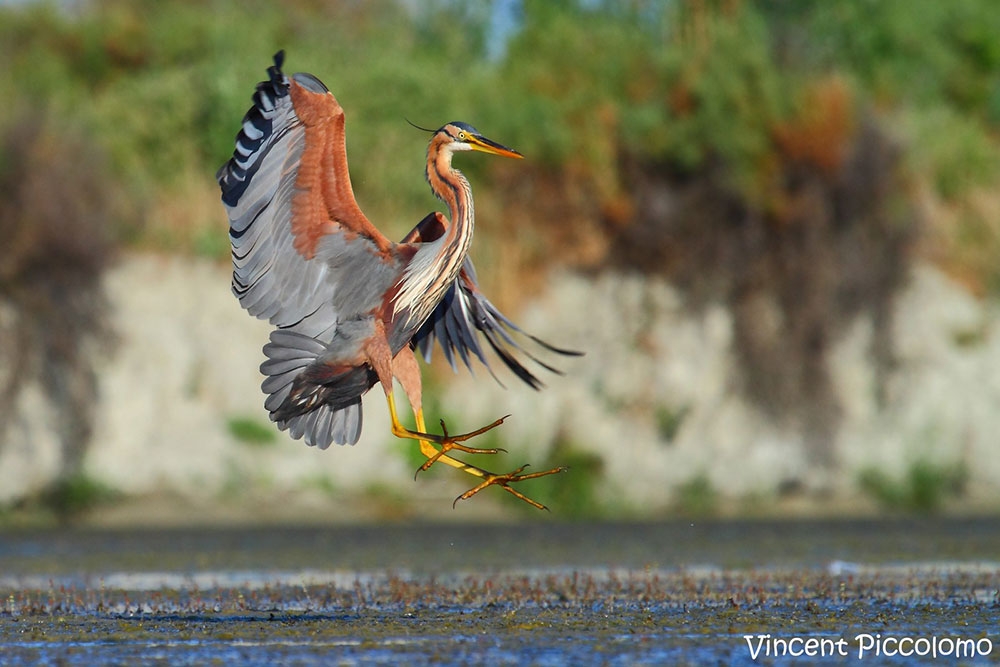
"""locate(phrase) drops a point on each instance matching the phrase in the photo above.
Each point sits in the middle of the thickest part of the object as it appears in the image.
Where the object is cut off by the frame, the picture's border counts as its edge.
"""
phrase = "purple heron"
(349, 306)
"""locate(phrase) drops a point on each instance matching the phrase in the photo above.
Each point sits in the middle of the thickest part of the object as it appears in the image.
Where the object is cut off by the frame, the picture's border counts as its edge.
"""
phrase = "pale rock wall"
(187, 363)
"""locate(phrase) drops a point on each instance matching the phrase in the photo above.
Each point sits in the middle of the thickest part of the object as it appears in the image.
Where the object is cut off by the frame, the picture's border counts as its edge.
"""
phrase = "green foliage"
(573, 494)
(716, 99)
(321, 482)
(953, 148)
(696, 497)
(162, 85)
(937, 61)
(669, 420)
(76, 494)
(251, 431)
(923, 489)
(926, 53)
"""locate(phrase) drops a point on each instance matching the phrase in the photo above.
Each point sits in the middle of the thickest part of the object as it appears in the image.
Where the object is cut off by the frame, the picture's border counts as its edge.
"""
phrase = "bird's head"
(464, 137)
(459, 136)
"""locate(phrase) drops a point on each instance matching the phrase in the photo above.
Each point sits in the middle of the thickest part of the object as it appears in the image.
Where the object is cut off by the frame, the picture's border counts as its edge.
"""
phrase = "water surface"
(722, 592)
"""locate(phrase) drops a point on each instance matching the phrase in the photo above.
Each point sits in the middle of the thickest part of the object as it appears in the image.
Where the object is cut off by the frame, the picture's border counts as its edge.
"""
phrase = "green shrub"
(77, 494)
(923, 489)
(251, 431)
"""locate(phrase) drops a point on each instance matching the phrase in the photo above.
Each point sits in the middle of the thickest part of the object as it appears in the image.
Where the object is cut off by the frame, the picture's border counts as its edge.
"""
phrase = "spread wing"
(464, 317)
(295, 227)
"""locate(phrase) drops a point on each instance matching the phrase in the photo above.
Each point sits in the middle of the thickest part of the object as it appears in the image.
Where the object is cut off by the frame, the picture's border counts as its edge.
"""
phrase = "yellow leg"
(447, 442)
(426, 448)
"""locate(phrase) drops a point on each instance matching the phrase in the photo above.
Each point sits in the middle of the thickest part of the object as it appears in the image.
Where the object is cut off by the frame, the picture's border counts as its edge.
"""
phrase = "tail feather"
(326, 425)
(320, 413)
(288, 354)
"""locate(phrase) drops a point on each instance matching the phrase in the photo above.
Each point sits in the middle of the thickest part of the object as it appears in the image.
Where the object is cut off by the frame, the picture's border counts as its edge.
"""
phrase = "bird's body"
(349, 306)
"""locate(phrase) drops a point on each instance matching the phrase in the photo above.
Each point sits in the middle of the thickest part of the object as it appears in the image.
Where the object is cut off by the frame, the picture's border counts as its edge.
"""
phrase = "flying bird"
(350, 307)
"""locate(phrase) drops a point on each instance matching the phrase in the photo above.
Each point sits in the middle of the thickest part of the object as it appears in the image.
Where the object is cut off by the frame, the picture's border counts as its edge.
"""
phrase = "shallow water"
(541, 593)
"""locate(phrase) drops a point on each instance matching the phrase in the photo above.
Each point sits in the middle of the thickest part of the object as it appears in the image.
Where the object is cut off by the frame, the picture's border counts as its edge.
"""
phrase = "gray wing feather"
(270, 278)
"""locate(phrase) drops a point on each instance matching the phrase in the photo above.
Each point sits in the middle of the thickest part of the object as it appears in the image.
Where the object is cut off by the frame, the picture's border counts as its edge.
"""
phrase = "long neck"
(451, 187)
(436, 264)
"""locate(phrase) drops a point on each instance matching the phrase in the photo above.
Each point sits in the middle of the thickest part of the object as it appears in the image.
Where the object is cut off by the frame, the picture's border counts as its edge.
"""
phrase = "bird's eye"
(461, 136)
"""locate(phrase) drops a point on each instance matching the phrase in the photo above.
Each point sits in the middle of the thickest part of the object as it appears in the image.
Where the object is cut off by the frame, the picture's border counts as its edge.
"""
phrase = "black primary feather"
(463, 314)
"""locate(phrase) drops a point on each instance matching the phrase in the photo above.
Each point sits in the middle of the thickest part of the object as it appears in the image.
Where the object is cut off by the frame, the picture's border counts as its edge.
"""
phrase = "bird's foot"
(448, 442)
(504, 481)
(454, 442)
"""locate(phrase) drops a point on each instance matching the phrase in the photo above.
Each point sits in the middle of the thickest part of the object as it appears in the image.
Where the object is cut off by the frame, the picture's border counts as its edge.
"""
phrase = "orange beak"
(484, 145)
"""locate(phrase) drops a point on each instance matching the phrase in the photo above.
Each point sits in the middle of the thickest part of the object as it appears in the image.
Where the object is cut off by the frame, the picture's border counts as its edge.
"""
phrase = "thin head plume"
(418, 127)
